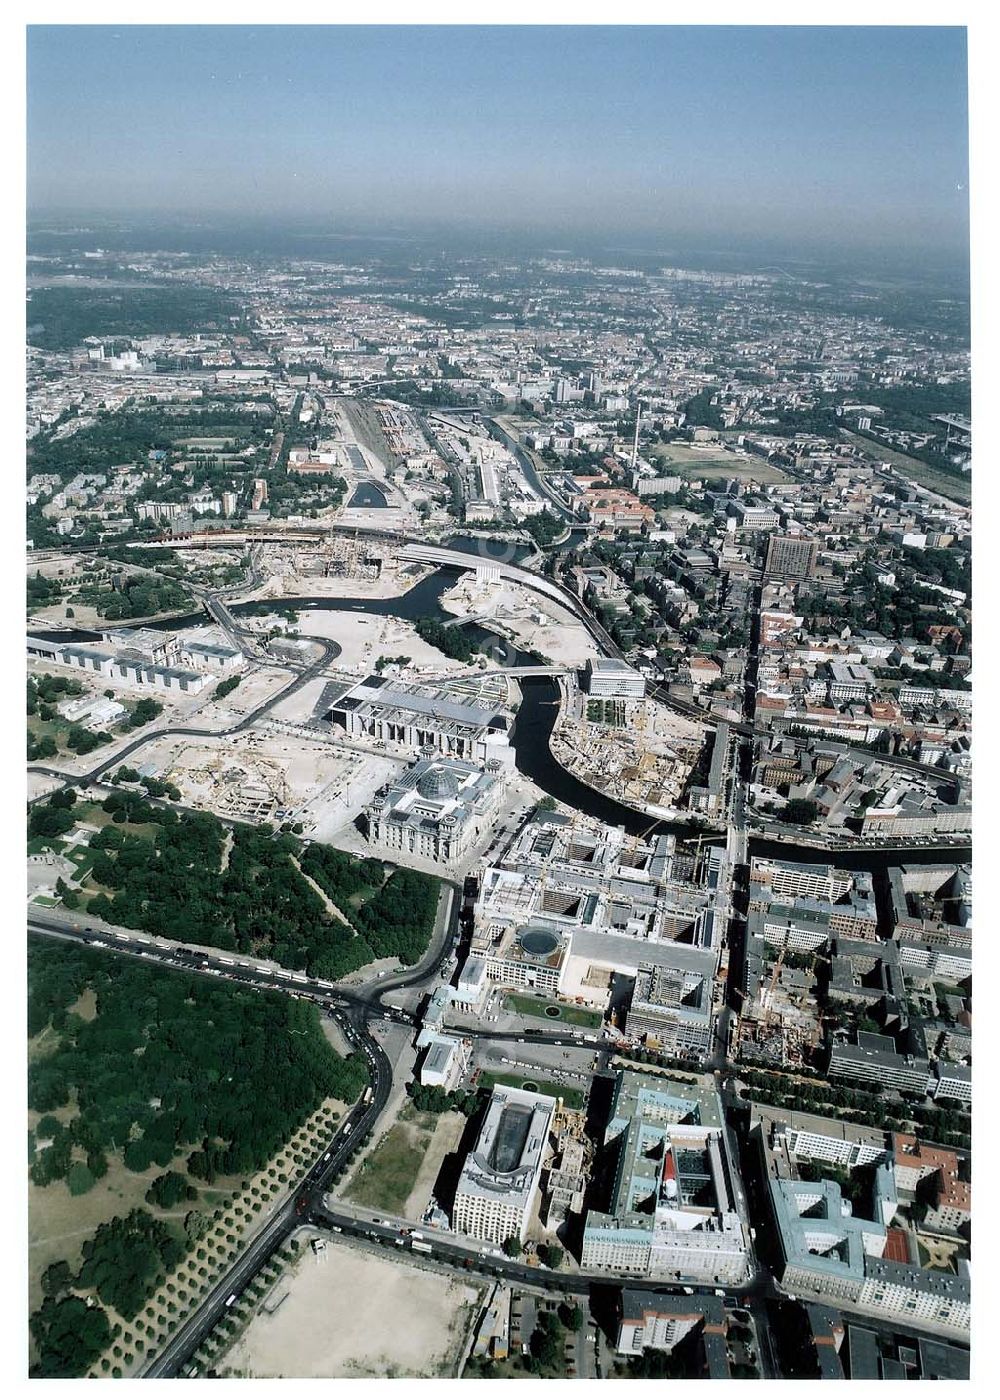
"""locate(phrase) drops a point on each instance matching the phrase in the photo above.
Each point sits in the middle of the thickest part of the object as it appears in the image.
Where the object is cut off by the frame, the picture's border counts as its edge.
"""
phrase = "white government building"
(499, 1185)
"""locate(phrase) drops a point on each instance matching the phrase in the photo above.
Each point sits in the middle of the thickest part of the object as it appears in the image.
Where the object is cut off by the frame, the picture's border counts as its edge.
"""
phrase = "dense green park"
(196, 1076)
(169, 872)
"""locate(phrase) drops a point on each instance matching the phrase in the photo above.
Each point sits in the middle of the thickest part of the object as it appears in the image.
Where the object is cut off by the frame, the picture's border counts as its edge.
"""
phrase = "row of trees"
(944, 1125)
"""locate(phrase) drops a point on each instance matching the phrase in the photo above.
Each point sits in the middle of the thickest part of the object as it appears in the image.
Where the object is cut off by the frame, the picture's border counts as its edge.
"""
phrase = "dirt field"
(445, 1138)
(538, 625)
(349, 1313)
(364, 637)
(324, 784)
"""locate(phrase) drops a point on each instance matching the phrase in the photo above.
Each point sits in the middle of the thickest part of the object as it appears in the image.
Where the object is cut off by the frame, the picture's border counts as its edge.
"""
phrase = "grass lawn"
(56, 729)
(540, 1007)
(954, 487)
(82, 858)
(93, 814)
(37, 844)
(45, 901)
(675, 459)
(386, 1177)
(362, 896)
(572, 1098)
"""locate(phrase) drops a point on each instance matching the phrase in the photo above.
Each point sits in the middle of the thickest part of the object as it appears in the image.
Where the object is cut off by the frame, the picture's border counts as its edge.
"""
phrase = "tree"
(512, 1247)
(170, 1188)
(800, 810)
(48, 821)
(548, 1341)
(571, 1316)
(551, 1255)
(79, 1179)
(57, 1278)
(68, 1336)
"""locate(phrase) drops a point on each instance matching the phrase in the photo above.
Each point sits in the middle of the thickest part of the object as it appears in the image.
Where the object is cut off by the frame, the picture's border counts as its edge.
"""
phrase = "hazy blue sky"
(853, 134)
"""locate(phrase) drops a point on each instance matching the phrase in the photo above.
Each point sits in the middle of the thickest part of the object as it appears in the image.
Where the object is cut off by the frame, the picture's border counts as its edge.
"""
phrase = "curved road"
(353, 1012)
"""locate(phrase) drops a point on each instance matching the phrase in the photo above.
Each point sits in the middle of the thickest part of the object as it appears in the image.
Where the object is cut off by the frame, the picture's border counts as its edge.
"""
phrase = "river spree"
(536, 718)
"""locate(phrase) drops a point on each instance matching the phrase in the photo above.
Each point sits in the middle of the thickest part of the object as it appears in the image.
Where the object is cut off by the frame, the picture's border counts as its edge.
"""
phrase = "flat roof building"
(499, 1184)
(611, 679)
(874, 1059)
(427, 717)
(674, 1006)
(672, 1211)
(790, 557)
(837, 1250)
(217, 657)
(661, 1322)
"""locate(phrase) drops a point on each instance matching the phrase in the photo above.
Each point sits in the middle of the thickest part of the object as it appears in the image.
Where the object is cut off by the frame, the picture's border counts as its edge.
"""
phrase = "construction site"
(274, 773)
(332, 565)
(782, 1027)
(637, 751)
(534, 623)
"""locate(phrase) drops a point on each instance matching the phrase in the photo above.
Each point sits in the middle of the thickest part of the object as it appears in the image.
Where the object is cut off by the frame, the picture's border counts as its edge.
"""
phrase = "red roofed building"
(932, 1174)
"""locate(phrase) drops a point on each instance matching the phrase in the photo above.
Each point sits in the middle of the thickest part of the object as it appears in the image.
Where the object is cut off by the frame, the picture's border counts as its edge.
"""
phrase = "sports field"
(714, 463)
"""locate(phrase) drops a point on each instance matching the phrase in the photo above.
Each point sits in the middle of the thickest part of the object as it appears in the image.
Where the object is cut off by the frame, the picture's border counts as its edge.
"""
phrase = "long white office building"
(424, 717)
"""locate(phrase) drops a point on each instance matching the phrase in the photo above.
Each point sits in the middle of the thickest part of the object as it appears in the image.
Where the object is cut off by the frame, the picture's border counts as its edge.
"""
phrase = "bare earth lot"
(353, 1314)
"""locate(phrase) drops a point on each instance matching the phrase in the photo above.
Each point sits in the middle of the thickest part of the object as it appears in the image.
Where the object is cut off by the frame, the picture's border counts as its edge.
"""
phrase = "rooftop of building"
(504, 1163)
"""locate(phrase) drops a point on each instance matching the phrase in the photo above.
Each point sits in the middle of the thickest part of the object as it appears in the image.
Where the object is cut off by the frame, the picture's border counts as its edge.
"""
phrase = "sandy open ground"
(321, 784)
(349, 1313)
(537, 624)
(364, 637)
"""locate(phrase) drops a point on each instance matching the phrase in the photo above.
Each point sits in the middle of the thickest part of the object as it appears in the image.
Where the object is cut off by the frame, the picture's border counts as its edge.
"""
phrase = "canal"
(367, 496)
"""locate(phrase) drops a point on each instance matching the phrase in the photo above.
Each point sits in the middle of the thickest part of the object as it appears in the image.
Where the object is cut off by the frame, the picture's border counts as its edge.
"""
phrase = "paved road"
(354, 1011)
(291, 1212)
(476, 1257)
